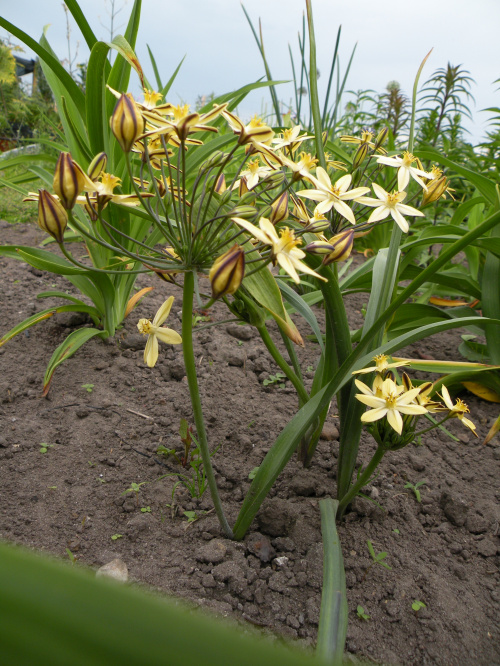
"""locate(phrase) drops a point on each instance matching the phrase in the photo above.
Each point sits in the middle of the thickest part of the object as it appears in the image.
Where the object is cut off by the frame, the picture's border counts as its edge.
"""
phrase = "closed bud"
(279, 208)
(435, 190)
(126, 122)
(319, 247)
(214, 160)
(342, 244)
(248, 199)
(266, 212)
(69, 180)
(52, 217)
(275, 179)
(381, 138)
(220, 185)
(227, 272)
(246, 212)
(97, 166)
(360, 155)
(317, 225)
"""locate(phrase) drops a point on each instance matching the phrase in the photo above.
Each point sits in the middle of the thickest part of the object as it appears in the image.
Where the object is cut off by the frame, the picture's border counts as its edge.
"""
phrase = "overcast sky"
(393, 36)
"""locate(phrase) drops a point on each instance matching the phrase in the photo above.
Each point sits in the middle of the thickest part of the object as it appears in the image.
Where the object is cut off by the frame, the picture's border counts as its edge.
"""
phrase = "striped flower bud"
(69, 180)
(227, 272)
(97, 166)
(435, 190)
(360, 155)
(246, 212)
(52, 217)
(381, 138)
(342, 247)
(126, 122)
(279, 209)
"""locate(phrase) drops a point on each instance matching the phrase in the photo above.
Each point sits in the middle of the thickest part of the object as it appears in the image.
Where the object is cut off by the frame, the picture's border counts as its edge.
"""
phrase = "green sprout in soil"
(45, 447)
(71, 556)
(417, 605)
(361, 613)
(146, 509)
(377, 558)
(115, 537)
(416, 487)
(135, 488)
(275, 380)
(88, 387)
(253, 473)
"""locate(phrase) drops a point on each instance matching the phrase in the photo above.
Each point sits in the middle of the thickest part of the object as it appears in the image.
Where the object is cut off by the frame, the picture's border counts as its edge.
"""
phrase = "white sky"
(393, 37)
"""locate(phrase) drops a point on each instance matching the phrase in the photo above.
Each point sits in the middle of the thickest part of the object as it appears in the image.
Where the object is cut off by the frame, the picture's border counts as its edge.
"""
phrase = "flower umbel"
(392, 402)
(155, 331)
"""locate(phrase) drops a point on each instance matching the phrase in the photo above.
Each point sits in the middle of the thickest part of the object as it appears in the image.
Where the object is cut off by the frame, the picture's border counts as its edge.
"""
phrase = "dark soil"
(443, 551)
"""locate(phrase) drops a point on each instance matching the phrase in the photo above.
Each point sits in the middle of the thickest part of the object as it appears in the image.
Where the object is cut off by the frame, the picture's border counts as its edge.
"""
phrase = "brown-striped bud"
(381, 138)
(319, 247)
(360, 155)
(97, 166)
(227, 272)
(69, 180)
(52, 217)
(279, 209)
(435, 190)
(342, 244)
(220, 185)
(126, 122)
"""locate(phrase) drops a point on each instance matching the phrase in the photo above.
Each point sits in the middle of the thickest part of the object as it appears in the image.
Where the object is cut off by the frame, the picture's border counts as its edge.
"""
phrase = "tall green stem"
(282, 364)
(190, 364)
(363, 479)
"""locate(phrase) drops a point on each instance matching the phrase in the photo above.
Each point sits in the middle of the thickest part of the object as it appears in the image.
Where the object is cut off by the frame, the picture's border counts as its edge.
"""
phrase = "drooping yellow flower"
(457, 410)
(290, 138)
(406, 170)
(392, 402)
(155, 331)
(284, 250)
(389, 204)
(333, 195)
(256, 131)
(381, 366)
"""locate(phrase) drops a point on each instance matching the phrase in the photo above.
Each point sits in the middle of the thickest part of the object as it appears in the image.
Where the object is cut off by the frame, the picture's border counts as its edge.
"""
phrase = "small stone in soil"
(277, 518)
(212, 552)
(455, 509)
(116, 569)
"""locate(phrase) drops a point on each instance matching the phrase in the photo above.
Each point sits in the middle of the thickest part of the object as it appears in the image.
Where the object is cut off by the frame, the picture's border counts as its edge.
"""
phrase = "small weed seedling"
(71, 556)
(416, 487)
(253, 473)
(115, 537)
(361, 613)
(45, 447)
(88, 387)
(417, 605)
(193, 516)
(135, 488)
(146, 509)
(276, 380)
(190, 458)
(377, 558)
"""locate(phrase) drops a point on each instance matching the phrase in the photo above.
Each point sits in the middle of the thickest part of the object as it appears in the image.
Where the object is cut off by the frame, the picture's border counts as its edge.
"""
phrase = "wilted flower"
(436, 189)
(284, 248)
(155, 332)
(52, 217)
(227, 272)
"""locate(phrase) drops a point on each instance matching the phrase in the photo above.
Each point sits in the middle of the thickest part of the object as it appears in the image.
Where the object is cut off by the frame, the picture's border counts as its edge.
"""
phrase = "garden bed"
(107, 413)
